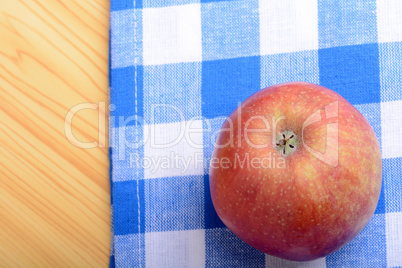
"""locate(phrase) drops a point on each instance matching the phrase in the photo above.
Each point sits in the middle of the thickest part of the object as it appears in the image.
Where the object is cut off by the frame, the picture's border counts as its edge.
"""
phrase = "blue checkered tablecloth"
(178, 66)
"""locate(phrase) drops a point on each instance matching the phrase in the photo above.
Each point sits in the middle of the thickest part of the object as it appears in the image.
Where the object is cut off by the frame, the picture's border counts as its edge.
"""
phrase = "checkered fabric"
(178, 66)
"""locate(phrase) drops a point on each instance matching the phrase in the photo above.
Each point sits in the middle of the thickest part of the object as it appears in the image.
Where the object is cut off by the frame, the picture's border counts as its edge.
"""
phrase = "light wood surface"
(54, 196)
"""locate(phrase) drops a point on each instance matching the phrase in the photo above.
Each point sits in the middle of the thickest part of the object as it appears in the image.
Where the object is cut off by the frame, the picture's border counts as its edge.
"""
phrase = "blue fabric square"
(125, 4)
(287, 67)
(172, 92)
(392, 180)
(112, 260)
(225, 83)
(166, 3)
(127, 96)
(352, 71)
(121, 5)
(380, 209)
(211, 129)
(344, 22)
(224, 249)
(176, 203)
(391, 71)
(126, 38)
(368, 249)
(212, 219)
(129, 207)
(230, 29)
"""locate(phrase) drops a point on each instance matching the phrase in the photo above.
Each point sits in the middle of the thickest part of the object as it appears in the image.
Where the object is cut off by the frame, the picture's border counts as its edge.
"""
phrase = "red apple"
(296, 171)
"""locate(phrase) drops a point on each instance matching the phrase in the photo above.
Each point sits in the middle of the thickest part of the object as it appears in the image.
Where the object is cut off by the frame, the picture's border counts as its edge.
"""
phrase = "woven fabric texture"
(178, 66)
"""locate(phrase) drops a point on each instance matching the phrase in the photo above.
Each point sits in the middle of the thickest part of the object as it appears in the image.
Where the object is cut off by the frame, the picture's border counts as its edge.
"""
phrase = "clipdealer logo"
(185, 128)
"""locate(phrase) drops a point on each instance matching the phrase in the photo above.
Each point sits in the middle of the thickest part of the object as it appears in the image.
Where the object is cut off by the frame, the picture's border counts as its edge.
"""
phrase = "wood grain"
(54, 196)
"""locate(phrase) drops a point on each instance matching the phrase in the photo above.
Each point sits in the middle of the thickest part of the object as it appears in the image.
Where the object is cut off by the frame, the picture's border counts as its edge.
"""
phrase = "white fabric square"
(288, 26)
(174, 149)
(389, 20)
(274, 262)
(172, 34)
(394, 239)
(391, 128)
(175, 249)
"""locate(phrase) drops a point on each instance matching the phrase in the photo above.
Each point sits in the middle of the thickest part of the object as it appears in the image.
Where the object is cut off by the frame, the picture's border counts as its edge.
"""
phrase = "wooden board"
(54, 196)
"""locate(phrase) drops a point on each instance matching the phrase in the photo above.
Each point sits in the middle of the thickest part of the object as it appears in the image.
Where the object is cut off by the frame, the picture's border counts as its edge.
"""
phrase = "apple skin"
(305, 209)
